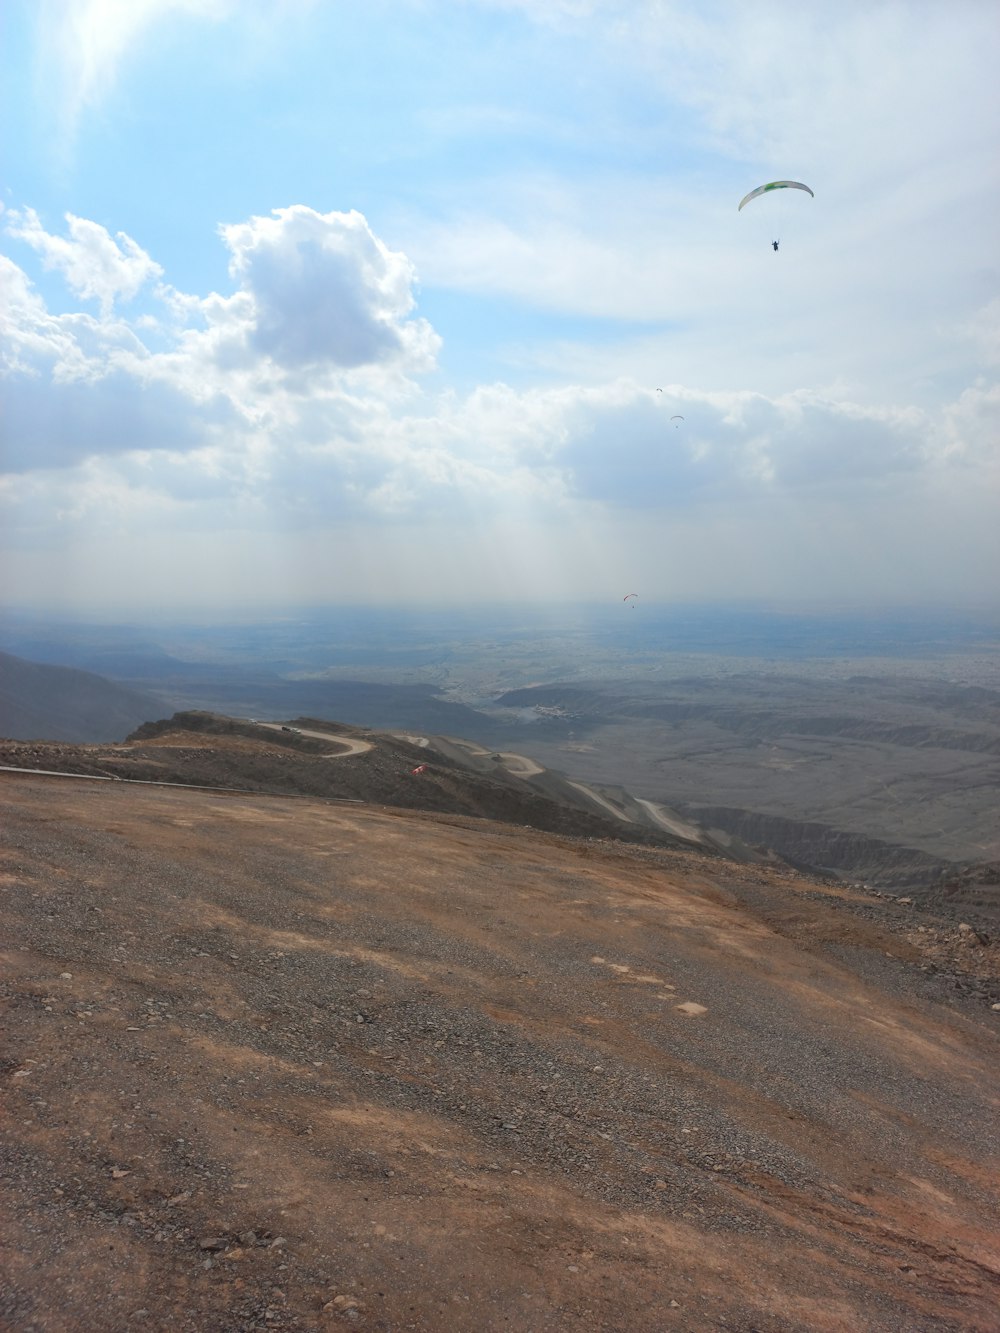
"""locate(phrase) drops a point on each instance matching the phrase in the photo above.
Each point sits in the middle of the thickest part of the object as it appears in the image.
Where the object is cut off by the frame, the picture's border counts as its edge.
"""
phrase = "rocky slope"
(277, 1062)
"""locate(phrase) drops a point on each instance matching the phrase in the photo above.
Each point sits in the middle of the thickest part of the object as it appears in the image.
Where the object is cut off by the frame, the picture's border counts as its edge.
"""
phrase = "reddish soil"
(281, 1063)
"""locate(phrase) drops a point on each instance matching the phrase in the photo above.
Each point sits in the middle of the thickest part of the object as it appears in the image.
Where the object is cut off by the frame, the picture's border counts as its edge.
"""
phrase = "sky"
(307, 301)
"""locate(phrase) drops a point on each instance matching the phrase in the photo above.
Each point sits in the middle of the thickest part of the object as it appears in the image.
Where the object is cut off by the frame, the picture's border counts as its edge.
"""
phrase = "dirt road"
(348, 745)
(276, 1064)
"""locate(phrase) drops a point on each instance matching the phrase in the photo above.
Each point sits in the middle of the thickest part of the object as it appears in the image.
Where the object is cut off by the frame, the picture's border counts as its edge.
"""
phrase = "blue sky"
(326, 302)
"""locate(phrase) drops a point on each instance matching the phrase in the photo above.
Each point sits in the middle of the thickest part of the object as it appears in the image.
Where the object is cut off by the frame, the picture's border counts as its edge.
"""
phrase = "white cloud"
(326, 290)
(841, 90)
(93, 263)
(971, 430)
(322, 303)
(265, 415)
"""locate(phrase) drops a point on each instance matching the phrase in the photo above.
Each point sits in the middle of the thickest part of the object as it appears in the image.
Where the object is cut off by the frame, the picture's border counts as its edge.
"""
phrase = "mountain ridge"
(58, 702)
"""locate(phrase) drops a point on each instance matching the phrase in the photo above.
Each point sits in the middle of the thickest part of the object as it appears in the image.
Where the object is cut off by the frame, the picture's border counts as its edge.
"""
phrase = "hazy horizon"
(627, 631)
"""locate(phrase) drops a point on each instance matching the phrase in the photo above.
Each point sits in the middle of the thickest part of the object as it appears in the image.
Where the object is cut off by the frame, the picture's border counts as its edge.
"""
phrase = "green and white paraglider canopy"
(774, 185)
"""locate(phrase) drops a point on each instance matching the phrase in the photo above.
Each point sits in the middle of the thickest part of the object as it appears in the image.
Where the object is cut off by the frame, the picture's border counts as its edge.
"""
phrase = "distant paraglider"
(774, 185)
(420, 768)
(677, 417)
(627, 598)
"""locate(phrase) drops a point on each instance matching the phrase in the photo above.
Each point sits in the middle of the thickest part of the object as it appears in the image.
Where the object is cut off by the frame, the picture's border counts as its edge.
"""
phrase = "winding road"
(352, 744)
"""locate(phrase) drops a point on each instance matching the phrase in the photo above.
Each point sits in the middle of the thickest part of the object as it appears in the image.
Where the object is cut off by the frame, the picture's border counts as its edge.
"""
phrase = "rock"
(905, 902)
(343, 1303)
(212, 1243)
(65, 976)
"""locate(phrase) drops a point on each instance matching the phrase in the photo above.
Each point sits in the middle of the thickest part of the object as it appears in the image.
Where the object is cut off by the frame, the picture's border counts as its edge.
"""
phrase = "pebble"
(65, 976)
(343, 1303)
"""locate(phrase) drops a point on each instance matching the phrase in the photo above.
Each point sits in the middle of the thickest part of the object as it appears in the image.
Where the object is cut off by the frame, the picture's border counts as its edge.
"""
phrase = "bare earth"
(281, 1063)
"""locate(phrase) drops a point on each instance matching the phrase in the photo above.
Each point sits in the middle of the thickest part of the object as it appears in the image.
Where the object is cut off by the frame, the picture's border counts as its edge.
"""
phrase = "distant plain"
(862, 742)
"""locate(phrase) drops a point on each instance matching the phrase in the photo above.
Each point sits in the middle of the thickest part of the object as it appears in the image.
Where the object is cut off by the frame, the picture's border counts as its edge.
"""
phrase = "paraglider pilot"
(775, 245)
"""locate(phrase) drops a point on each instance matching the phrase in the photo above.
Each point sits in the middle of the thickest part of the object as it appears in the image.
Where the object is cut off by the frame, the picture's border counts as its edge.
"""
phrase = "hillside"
(450, 775)
(280, 1062)
(422, 773)
(64, 704)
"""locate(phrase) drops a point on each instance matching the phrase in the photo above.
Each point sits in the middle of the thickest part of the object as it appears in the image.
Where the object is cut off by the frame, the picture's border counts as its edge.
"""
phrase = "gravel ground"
(277, 1063)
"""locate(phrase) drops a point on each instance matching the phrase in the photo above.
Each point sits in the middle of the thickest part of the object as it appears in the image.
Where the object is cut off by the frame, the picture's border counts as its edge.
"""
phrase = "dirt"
(276, 1062)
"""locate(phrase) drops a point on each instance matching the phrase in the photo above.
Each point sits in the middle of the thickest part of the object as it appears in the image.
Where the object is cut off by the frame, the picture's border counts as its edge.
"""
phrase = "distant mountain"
(39, 702)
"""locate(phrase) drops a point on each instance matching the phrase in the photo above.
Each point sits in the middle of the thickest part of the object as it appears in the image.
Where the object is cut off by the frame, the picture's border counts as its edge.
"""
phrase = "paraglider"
(774, 185)
(629, 595)
(676, 417)
(420, 768)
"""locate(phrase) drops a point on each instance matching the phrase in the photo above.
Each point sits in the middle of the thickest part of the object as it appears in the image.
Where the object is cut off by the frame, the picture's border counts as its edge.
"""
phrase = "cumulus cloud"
(326, 291)
(620, 447)
(321, 301)
(94, 263)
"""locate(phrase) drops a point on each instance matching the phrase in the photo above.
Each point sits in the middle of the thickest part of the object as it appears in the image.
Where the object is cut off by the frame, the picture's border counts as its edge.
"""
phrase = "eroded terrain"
(892, 780)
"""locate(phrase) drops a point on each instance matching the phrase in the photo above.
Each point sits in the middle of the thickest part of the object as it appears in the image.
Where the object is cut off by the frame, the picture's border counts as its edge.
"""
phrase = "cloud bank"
(295, 425)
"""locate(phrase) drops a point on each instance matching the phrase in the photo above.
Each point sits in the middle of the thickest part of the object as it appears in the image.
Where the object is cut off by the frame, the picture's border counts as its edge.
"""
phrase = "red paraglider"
(420, 768)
